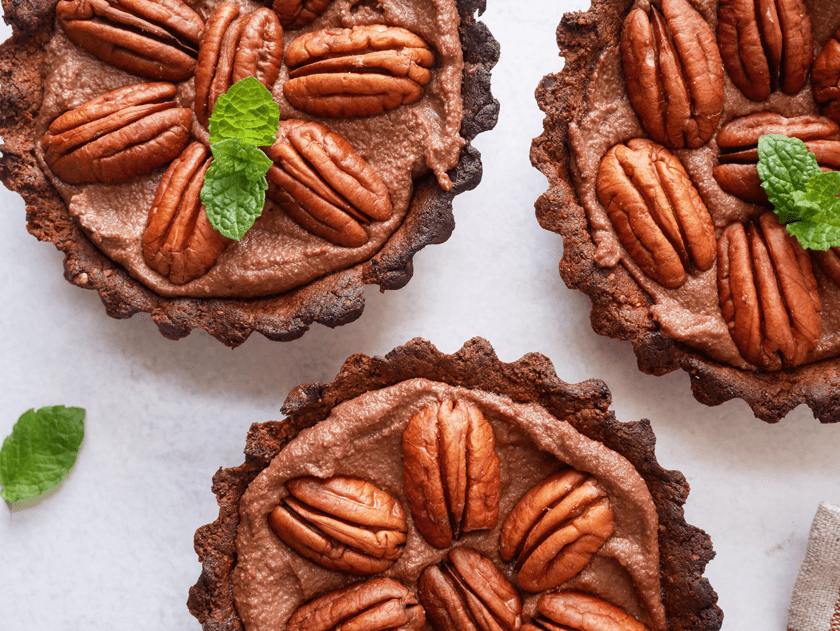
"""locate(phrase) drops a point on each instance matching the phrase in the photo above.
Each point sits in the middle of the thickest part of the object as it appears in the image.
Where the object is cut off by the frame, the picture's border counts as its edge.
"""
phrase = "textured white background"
(112, 547)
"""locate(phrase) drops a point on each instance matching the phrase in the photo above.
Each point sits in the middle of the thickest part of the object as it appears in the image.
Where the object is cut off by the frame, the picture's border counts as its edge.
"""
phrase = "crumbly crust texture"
(333, 300)
(620, 307)
(689, 600)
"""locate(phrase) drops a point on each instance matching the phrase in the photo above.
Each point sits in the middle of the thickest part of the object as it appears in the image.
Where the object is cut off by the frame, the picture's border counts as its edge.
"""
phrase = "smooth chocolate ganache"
(277, 254)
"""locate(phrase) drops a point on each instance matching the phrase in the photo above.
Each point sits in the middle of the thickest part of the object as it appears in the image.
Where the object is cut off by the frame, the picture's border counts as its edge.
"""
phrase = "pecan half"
(673, 73)
(323, 185)
(357, 71)
(380, 604)
(825, 76)
(450, 471)
(829, 263)
(555, 529)
(737, 173)
(233, 48)
(180, 243)
(575, 611)
(656, 211)
(765, 44)
(295, 14)
(768, 293)
(468, 593)
(157, 40)
(118, 135)
(344, 524)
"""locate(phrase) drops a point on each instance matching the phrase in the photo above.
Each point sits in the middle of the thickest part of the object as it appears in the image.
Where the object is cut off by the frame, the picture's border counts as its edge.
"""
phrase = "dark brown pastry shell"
(690, 602)
(332, 300)
(620, 307)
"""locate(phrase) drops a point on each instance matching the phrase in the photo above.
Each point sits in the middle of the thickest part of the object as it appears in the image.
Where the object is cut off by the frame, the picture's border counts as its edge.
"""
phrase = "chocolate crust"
(620, 307)
(689, 599)
(332, 300)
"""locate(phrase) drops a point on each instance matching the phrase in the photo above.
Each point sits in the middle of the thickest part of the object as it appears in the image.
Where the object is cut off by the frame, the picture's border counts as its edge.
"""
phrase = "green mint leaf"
(819, 208)
(40, 451)
(234, 187)
(815, 235)
(246, 111)
(785, 165)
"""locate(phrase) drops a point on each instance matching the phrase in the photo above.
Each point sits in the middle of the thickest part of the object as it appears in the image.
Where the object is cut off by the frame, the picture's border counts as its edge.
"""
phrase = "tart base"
(620, 307)
(333, 300)
(689, 600)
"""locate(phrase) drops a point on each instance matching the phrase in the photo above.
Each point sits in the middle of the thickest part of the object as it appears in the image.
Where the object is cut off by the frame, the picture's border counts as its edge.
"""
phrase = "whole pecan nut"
(118, 135)
(180, 243)
(450, 471)
(768, 293)
(342, 523)
(324, 185)
(673, 73)
(156, 40)
(737, 173)
(575, 611)
(555, 529)
(357, 71)
(825, 77)
(233, 48)
(468, 593)
(656, 211)
(295, 14)
(380, 604)
(829, 263)
(765, 44)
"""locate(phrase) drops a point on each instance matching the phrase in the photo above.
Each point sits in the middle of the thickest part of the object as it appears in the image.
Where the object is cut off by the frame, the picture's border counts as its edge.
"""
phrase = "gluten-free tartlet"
(650, 146)
(106, 111)
(431, 491)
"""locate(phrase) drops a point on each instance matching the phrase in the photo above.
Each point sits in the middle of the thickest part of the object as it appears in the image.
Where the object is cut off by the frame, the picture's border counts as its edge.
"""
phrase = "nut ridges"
(576, 611)
(826, 77)
(342, 523)
(450, 471)
(296, 14)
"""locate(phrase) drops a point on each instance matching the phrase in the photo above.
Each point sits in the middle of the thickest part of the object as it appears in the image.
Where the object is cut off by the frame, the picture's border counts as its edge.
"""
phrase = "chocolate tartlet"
(668, 283)
(283, 545)
(332, 292)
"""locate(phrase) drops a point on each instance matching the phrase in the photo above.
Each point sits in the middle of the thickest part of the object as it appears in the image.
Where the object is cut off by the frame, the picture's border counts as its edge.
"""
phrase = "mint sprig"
(804, 198)
(40, 451)
(244, 118)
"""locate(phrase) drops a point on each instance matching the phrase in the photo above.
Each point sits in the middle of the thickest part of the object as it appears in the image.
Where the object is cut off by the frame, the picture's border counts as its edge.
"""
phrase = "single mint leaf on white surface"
(40, 451)
(234, 187)
(785, 165)
(247, 111)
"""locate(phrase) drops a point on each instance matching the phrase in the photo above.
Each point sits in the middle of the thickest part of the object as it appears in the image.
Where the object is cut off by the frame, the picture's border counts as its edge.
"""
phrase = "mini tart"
(621, 308)
(332, 300)
(686, 597)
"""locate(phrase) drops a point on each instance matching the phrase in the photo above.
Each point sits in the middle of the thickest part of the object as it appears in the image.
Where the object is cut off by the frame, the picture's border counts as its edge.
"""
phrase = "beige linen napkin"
(815, 605)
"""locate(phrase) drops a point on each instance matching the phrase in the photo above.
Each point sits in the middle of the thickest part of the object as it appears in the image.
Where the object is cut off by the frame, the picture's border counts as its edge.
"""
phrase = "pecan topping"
(829, 263)
(323, 185)
(232, 49)
(468, 593)
(825, 76)
(737, 173)
(295, 14)
(768, 293)
(118, 135)
(357, 71)
(380, 604)
(555, 529)
(574, 611)
(180, 243)
(765, 44)
(656, 211)
(157, 40)
(673, 73)
(344, 524)
(450, 471)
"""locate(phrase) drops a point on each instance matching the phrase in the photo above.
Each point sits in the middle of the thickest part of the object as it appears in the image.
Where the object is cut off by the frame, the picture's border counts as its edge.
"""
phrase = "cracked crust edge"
(690, 601)
(620, 307)
(333, 300)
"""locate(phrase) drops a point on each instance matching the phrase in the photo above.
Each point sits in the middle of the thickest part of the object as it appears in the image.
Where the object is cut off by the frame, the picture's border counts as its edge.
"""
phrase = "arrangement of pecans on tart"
(377, 103)
(657, 138)
(451, 492)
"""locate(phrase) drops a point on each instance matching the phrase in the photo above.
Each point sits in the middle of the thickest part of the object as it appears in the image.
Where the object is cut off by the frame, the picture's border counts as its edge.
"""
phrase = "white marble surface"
(111, 548)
